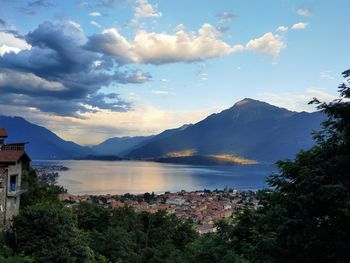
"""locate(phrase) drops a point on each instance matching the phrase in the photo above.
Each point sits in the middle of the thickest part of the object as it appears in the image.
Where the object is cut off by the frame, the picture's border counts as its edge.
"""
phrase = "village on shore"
(203, 207)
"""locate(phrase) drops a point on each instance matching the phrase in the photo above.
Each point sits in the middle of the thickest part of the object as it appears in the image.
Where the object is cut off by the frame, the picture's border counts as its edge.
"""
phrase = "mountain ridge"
(250, 129)
(43, 143)
(235, 131)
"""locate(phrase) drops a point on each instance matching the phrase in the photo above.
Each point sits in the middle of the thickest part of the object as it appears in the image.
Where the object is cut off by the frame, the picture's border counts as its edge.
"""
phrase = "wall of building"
(12, 205)
(3, 197)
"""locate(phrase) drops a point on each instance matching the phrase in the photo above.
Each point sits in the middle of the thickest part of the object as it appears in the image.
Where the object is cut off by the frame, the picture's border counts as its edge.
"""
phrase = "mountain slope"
(43, 144)
(119, 145)
(124, 145)
(251, 129)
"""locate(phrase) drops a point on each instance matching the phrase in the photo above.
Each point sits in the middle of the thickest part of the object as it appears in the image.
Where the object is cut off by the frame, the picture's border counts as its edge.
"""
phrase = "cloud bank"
(58, 75)
(269, 44)
(161, 48)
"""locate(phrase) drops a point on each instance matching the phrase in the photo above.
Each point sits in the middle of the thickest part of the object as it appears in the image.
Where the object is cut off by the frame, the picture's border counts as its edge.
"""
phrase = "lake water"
(119, 177)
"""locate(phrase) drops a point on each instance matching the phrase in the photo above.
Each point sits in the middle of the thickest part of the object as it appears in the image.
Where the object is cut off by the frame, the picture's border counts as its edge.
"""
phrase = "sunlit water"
(119, 177)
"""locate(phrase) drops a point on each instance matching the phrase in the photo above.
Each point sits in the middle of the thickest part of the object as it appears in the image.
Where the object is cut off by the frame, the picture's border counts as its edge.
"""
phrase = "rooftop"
(11, 156)
(3, 132)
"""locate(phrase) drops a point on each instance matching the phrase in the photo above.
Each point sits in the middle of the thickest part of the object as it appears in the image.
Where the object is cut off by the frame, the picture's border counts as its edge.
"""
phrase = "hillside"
(43, 144)
(119, 145)
(250, 129)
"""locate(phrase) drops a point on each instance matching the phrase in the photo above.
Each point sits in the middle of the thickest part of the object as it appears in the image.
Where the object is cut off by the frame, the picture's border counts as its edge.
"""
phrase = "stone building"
(14, 164)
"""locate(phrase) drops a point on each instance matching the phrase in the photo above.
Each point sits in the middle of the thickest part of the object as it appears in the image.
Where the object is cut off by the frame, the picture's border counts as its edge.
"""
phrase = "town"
(202, 207)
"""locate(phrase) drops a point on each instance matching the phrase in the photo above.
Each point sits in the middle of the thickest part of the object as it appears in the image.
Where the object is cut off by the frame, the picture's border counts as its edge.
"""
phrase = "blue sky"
(132, 67)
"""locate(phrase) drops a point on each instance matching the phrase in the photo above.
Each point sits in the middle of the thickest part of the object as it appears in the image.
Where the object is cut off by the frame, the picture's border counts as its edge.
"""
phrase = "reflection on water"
(102, 177)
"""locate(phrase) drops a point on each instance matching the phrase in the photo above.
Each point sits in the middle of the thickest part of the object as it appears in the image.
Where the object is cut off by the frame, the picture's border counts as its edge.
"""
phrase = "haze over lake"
(105, 177)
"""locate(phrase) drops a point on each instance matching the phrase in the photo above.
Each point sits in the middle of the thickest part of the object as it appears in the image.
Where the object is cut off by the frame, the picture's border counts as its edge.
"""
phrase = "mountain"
(122, 146)
(119, 145)
(250, 129)
(43, 144)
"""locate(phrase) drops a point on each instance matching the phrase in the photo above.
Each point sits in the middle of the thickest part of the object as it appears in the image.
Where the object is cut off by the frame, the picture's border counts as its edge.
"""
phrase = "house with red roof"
(14, 164)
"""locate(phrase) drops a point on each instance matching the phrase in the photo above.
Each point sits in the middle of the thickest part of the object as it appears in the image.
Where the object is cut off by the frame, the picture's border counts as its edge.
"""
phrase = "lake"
(119, 177)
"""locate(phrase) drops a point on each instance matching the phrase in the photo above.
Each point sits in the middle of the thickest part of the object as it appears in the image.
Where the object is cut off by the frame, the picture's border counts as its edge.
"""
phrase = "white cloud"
(162, 48)
(6, 49)
(327, 74)
(95, 14)
(145, 9)
(203, 76)
(11, 43)
(94, 23)
(304, 12)
(180, 27)
(76, 25)
(297, 102)
(282, 29)
(160, 92)
(269, 44)
(299, 26)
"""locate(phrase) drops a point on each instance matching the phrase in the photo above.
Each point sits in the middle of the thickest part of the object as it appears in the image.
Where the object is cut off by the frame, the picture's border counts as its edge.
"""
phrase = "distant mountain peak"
(185, 126)
(249, 101)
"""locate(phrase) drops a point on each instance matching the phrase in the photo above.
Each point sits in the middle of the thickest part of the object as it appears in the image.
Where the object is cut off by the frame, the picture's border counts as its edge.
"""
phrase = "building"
(175, 201)
(14, 164)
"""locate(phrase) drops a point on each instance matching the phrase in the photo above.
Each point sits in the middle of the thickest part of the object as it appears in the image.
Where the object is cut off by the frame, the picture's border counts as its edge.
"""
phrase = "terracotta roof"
(11, 156)
(3, 132)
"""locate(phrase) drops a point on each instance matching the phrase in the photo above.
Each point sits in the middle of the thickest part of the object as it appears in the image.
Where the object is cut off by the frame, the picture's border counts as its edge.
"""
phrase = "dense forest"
(305, 218)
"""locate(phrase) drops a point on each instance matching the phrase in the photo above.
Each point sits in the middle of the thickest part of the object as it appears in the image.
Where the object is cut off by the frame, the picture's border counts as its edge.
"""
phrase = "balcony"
(17, 190)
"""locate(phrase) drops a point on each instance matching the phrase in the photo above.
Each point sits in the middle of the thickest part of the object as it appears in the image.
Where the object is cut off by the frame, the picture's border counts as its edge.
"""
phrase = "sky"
(91, 70)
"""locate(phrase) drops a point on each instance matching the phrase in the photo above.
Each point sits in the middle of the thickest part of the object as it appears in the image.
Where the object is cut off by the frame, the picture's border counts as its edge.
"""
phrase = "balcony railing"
(13, 147)
(17, 190)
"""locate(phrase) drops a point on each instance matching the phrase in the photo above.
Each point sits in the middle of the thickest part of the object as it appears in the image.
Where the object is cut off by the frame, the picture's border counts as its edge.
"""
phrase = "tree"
(115, 243)
(48, 232)
(39, 191)
(16, 259)
(91, 216)
(307, 217)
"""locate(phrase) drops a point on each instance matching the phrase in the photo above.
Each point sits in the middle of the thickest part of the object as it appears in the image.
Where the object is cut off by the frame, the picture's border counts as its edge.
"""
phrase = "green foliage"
(91, 216)
(307, 217)
(98, 258)
(141, 237)
(115, 243)
(16, 259)
(39, 191)
(48, 232)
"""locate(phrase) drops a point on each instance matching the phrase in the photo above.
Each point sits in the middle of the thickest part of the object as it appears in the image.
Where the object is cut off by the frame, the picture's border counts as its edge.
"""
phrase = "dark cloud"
(15, 33)
(58, 75)
(3, 23)
(108, 101)
(27, 11)
(225, 17)
(110, 3)
(6, 28)
(102, 3)
(32, 7)
(42, 3)
(222, 30)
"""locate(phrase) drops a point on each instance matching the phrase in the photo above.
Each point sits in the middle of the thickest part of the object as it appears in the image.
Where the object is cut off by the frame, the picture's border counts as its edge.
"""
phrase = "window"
(13, 182)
